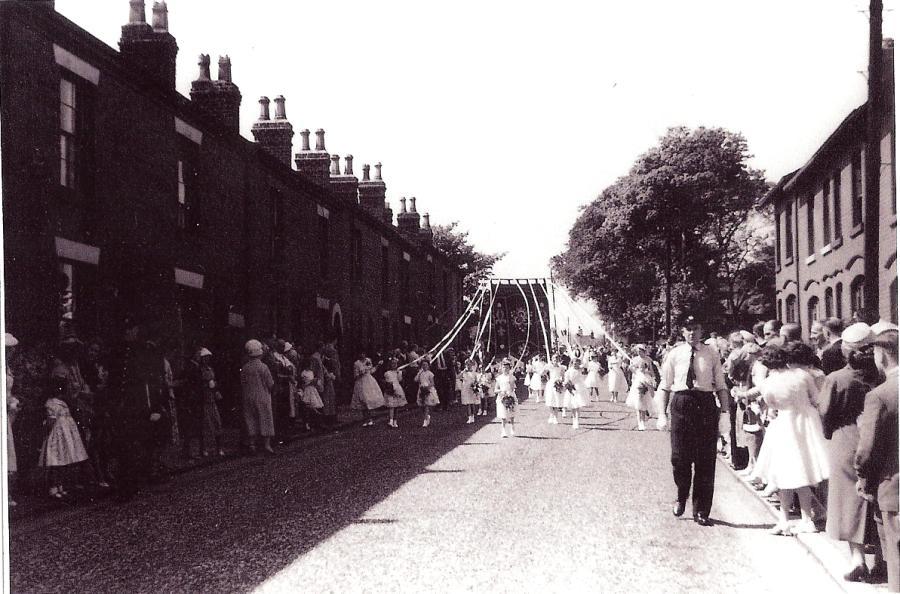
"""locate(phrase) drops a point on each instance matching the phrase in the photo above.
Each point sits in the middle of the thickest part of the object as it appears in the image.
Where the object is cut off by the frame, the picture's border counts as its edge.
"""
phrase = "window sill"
(789, 261)
(857, 229)
(893, 222)
(811, 258)
(825, 249)
(838, 242)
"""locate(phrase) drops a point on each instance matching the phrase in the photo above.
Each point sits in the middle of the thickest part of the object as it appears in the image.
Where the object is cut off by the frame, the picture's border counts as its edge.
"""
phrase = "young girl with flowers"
(505, 390)
(394, 397)
(309, 392)
(470, 389)
(575, 397)
(486, 387)
(643, 386)
(555, 390)
(427, 394)
(367, 395)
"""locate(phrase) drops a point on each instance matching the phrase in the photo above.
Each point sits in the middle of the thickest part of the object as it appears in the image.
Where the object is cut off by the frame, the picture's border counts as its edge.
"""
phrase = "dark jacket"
(876, 459)
(845, 391)
(833, 358)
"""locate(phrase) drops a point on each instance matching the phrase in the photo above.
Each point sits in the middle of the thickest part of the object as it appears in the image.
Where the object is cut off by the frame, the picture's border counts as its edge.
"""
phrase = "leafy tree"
(455, 244)
(674, 234)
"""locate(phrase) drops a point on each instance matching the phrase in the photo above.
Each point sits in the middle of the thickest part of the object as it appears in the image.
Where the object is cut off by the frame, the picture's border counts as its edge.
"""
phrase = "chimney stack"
(150, 49)
(388, 213)
(426, 235)
(335, 165)
(348, 165)
(408, 222)
(274, 136)
(372, 192)
(314, 165)
(218, 100)
(344, 187)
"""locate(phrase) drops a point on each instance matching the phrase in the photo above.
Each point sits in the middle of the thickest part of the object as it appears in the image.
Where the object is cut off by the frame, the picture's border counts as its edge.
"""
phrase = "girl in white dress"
(576, 395)
(536, 383)
(470, 389)
(505, 390)
(593, 380)
(63, 446)
(427, 394)
(643, 387)
(486, 385)
(794, 455)
(617, 382)
(554, 392)
(367, 395)
(394, 396)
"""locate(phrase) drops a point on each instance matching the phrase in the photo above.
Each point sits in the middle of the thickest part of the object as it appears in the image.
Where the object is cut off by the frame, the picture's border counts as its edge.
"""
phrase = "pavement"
(448, 508)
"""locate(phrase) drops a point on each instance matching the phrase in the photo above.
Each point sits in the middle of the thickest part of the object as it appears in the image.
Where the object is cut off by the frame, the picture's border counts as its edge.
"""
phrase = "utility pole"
(874, 118)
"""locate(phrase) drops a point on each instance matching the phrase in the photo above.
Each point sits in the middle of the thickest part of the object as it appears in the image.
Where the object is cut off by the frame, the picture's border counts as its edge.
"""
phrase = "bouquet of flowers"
(570, 387)
(558, 385)
(545, 375)
(424, 391)
(508, 401)
(476, 387)
(485, 389)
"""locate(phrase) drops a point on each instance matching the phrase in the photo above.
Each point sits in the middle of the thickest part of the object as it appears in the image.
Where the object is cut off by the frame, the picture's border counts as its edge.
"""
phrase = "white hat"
(288, 346)
(883, 326)
(856, 335)
(748, 336)
(254, 348)
(204, 352)
(710, 341)
(11, 340)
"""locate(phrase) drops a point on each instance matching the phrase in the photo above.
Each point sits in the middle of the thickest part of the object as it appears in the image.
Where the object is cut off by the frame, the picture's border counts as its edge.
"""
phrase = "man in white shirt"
(691, 377)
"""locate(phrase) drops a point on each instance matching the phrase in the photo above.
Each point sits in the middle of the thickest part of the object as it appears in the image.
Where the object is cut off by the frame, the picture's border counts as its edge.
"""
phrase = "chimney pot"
(378, 171)
(137, 13)
(426, 221)
(365, 172)
(203, 63)
(279, 108)
(304, 140)
(225, 68)
(403, 205)
(263, 108)
(335, 165)
(320, 139)
(412, 204)
(160, 17)
(348, 165)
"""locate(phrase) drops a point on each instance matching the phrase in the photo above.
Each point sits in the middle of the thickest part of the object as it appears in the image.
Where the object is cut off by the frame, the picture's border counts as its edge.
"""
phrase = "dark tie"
(691, 376)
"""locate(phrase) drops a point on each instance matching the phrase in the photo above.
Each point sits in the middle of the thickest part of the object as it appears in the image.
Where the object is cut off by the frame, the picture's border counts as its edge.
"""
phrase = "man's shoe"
(878, 574)
(702, 520)
(678, 509)
(860, 573)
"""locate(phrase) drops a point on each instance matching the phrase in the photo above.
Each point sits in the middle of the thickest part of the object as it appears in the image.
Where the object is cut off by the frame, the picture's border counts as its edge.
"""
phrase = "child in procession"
(62, 447)
(309, 392)
(470, 389)
(505, 390)
(367, 394)
(554, 392)
(538, 378)
(427, 394)
(643, 387)
(486, 385)
(394, 397)
(576, 396)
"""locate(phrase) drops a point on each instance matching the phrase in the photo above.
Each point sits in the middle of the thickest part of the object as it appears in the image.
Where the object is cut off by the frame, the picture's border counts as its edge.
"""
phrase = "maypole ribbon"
(486, 319)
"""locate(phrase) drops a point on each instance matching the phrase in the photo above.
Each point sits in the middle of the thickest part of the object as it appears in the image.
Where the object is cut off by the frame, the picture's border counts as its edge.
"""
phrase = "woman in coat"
(256, 389)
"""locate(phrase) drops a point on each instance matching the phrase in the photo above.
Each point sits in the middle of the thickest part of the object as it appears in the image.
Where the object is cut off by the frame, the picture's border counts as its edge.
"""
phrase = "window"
(76, 135)
(385, 273)
(790, 309)
(777, 239)
(856, 295)
(811, 225)
(779, 311)
(829, 302)
(324, 240)
(856, 195)
(812, 310)
(789, 231)
(356, 256)
(187, 196)
(836, 189)
(826, 212)
(276, 246)
(893, 301)
(404, 282)
(839, 300)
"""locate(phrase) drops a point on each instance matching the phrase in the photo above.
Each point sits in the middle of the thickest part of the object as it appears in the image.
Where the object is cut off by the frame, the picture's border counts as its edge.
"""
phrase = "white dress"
(366, 393)
(638, 400)
(616, 377)
(578, 399)
(427, 394)
(394, 396)
(537, 369)
(63, 445)
(506, 386)
(469, 390)
(593, 379)
(794, 452)
(552, 397)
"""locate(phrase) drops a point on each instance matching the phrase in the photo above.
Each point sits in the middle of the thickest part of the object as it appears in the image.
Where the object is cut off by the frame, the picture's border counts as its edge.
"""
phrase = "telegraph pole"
(874, 118)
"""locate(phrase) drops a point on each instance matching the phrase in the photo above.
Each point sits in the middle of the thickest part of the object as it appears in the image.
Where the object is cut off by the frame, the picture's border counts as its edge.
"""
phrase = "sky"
(509, 116)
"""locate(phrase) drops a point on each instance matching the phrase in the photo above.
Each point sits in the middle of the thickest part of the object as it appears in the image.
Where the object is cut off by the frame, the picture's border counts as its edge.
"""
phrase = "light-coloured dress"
(593, 379)
(537, 369)
(366, 392)
(427, 394)
(469, 390)
(616, 378)
(506, 386)
(63, 445)
(552, 397)
(309, 394)
(794, 452)
(640, 395)
(394, 397)
(579, 398)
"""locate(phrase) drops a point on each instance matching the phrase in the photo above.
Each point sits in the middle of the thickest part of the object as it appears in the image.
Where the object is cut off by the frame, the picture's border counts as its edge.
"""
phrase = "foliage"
(476, 266)
(686, 211)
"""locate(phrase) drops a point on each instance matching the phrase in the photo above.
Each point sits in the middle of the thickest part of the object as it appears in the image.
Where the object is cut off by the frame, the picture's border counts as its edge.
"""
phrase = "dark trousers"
(694, 419)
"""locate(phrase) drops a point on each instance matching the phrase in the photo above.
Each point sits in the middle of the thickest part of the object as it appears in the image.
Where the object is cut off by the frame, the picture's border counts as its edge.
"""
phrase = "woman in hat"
(842, 399)
(256, 389)
(212, 421)
(367, 396)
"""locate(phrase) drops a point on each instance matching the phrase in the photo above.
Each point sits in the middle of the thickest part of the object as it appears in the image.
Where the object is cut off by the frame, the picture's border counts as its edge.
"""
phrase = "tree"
(454, 244)
(670, 235)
